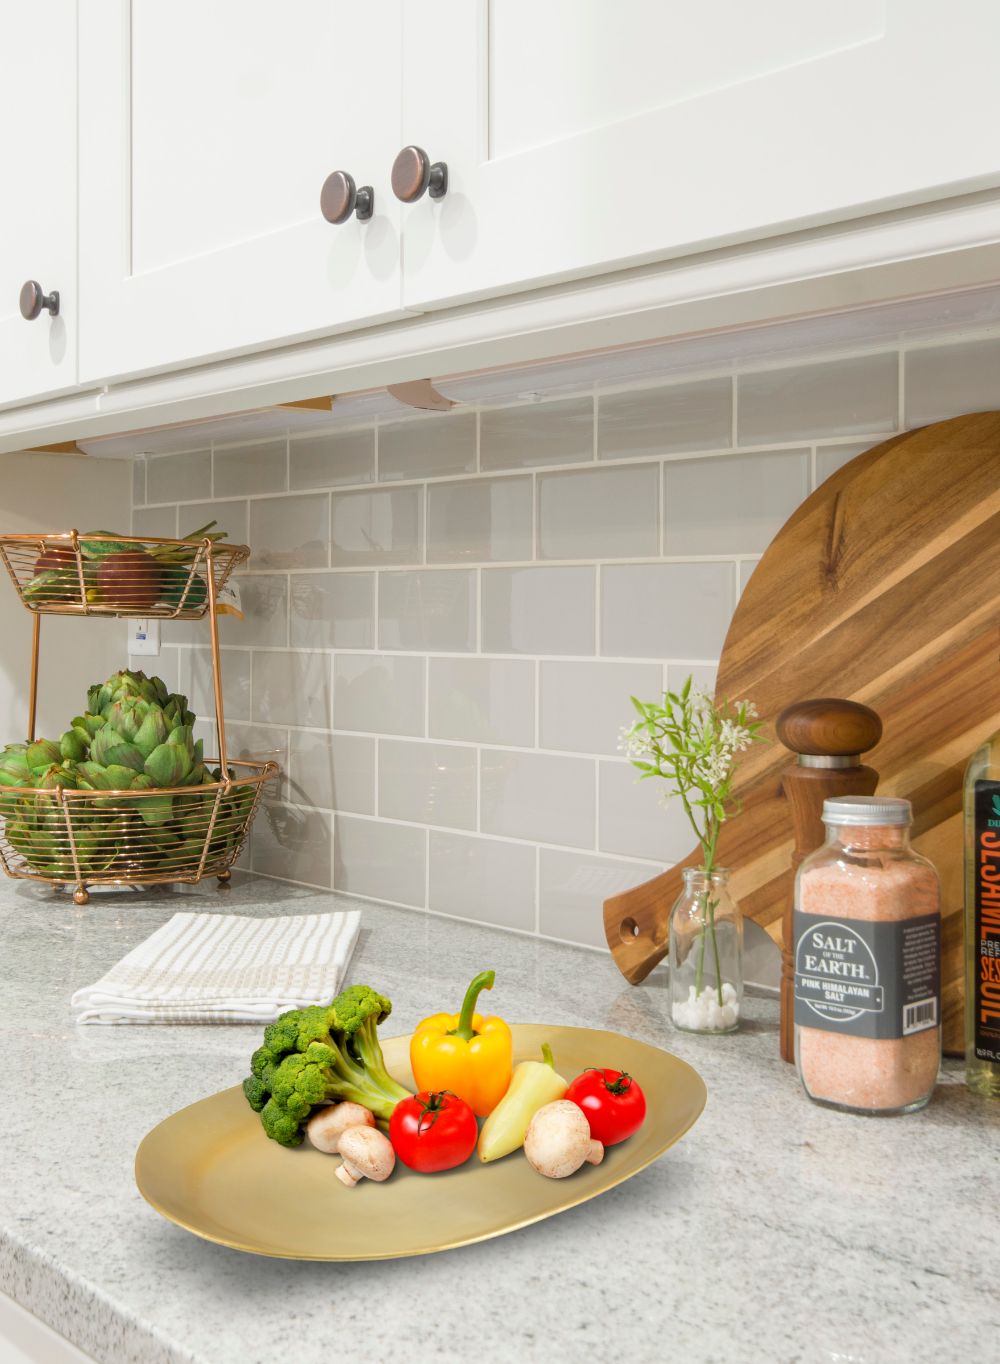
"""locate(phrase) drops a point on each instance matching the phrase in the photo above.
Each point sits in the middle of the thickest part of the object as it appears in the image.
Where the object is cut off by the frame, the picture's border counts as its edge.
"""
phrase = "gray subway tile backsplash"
(837, 397)
(379, 693)
(428, 609)
(380, 861)
(431, 446)
(446, 616)
(479, 521)
(560, 432)
(332, 610)
(331, 460)
(242, 469)
(599, 513)
(426, 783)
(179, 478)
(290, 532)
(539, 610)
(384, 526)
(486, 879)
(666, 610)
(482, 700)
(735, 504)
(657, 421)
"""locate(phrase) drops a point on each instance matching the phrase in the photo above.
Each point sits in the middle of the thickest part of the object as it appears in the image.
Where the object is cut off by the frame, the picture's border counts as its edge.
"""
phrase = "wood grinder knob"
(829, 735)
(829, 728)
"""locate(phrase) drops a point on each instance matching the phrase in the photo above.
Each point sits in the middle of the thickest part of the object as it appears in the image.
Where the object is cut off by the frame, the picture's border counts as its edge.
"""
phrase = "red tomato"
(614, 1104)
(432, 1132)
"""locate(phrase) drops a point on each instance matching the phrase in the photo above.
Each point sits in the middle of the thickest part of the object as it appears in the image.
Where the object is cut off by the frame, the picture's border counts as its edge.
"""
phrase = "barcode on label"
(921, 1015)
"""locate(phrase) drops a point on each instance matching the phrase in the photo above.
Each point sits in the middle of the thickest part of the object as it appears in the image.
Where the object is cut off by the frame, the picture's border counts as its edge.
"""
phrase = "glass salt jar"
(867, 941)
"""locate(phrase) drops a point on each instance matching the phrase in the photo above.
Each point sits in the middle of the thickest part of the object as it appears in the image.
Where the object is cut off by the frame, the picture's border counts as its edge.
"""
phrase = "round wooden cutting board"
(884, 588)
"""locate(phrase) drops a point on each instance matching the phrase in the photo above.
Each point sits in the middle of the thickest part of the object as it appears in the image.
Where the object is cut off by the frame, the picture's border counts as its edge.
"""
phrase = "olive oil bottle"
(982, 920)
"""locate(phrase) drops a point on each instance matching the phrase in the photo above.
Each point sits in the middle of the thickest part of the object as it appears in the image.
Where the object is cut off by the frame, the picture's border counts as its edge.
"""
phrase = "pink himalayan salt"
(867, 1072)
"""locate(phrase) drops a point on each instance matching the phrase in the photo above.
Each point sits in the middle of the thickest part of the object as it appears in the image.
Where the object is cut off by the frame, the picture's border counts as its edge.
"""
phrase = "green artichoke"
(123, 686)
(134, 736)
(42, 754)
(14, 769)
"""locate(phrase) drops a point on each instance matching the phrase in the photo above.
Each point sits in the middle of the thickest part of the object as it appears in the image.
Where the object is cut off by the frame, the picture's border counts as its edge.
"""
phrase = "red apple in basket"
(58, 559)
(132, 578)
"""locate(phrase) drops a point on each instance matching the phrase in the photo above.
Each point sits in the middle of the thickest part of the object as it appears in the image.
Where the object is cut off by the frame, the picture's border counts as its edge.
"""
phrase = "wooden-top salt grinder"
(829, 735)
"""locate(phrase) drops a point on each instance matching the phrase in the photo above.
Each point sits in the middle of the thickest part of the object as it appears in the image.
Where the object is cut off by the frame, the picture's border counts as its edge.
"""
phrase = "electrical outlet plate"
(144, 636)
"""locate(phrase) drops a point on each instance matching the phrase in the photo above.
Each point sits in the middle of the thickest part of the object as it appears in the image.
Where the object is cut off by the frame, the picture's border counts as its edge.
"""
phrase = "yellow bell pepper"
(466, 1054)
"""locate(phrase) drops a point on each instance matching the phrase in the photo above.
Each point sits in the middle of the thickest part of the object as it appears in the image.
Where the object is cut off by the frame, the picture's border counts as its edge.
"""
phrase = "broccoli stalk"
(322, 1054)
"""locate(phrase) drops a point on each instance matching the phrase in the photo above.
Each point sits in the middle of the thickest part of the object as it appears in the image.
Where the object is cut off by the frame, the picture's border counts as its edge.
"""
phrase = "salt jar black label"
(867, 979)
(986, 945)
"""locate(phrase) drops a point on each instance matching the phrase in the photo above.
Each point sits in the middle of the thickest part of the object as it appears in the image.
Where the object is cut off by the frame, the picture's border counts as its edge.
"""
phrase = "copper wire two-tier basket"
(94, 837)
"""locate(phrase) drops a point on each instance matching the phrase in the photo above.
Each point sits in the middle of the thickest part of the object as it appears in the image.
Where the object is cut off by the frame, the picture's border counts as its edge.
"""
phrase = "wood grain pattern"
(884, 588)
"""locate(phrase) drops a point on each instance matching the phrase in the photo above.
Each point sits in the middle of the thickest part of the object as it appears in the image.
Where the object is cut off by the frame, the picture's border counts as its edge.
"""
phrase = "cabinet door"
(38, 175)
(584, 137)
(206, 133)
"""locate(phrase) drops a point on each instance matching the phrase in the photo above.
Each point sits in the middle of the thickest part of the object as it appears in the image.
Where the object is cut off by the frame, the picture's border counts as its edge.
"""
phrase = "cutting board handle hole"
(629, 930)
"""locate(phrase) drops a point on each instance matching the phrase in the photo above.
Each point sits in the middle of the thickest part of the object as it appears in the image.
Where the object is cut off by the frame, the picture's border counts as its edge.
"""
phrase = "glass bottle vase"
(706, 954)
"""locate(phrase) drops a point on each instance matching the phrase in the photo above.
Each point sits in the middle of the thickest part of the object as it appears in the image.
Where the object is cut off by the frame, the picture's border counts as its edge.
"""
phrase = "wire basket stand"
(65, 836)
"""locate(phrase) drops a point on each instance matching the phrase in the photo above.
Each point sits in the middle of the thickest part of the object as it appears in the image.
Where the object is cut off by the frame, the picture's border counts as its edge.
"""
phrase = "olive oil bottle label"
(864, 978)
(986, 944)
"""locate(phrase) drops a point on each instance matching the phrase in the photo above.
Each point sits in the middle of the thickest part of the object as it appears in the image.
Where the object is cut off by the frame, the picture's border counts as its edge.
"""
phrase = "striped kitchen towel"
(224, 968)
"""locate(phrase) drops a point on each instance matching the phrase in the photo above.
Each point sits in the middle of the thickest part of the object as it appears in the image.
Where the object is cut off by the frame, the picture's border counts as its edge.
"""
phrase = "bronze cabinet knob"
(340, 197)
(34, 300)
(413, 175)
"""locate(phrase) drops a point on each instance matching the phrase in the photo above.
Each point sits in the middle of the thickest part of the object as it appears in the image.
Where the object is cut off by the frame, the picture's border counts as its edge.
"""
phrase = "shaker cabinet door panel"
(585, 137)
(206, 133)
(38, 176)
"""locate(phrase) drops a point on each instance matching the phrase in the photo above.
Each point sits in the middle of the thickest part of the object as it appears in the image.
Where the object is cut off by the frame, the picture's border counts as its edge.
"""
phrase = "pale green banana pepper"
(533, 1085)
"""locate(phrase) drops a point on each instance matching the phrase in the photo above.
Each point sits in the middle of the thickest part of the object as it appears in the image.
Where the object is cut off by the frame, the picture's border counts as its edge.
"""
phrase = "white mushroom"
(325, 1128)
(367, 1155)
(558, 1140)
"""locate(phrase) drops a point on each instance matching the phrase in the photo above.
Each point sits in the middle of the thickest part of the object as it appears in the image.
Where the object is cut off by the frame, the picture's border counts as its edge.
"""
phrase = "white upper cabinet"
(38, 217)
(206, 133)
(582, 137)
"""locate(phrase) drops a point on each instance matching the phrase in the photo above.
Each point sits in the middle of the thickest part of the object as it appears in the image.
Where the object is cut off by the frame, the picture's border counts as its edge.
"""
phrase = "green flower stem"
(708, 908)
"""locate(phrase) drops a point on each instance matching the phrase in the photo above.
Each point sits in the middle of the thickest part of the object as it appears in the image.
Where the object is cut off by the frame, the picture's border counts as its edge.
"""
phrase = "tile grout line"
(538, 890)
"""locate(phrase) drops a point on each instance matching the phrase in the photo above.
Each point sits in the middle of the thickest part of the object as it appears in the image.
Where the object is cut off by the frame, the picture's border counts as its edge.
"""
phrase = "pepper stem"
(465, 1030)
(547, 1055)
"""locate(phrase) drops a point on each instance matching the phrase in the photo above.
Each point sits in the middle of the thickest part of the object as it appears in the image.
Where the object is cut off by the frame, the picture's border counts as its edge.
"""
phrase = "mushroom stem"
(349, 1174)
(596, 1153)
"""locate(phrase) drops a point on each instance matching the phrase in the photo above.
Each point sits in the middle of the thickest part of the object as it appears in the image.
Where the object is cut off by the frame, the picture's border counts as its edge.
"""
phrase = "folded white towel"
(224, 968)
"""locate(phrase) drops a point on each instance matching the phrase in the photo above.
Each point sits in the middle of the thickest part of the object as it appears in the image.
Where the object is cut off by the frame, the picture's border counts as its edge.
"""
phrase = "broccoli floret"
(322, 1054)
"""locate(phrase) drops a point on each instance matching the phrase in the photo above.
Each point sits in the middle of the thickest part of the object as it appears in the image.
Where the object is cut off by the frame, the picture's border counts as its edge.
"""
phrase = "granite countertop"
(776, 1230)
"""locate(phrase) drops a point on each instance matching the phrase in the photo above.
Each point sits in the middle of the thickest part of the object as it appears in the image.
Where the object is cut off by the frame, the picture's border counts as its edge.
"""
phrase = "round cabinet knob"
(413, 175)
(34, 300)
(340, 197)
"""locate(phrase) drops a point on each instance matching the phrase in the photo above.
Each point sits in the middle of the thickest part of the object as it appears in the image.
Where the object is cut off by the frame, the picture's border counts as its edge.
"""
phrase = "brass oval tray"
(210, 1168)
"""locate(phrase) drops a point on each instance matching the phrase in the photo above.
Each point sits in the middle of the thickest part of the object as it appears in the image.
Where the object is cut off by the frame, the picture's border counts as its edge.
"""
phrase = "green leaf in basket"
(120, 777)
(155, 810)
(183, 587)
(99, 549)
(169, 764)
(126, 755)
(91, 776)
(42, 754)
(152, 732)
(74, 745)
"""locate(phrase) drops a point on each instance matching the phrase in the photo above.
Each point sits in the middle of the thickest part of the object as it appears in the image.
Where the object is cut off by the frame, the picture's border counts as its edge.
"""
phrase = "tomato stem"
(621, 1084)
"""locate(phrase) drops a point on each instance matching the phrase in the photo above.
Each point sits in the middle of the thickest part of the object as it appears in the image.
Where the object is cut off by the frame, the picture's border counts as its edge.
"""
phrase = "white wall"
(56, 493)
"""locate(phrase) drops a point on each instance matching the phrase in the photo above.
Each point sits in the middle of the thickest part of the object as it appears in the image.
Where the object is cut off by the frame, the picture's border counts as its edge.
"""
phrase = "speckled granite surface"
(775, 1231)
